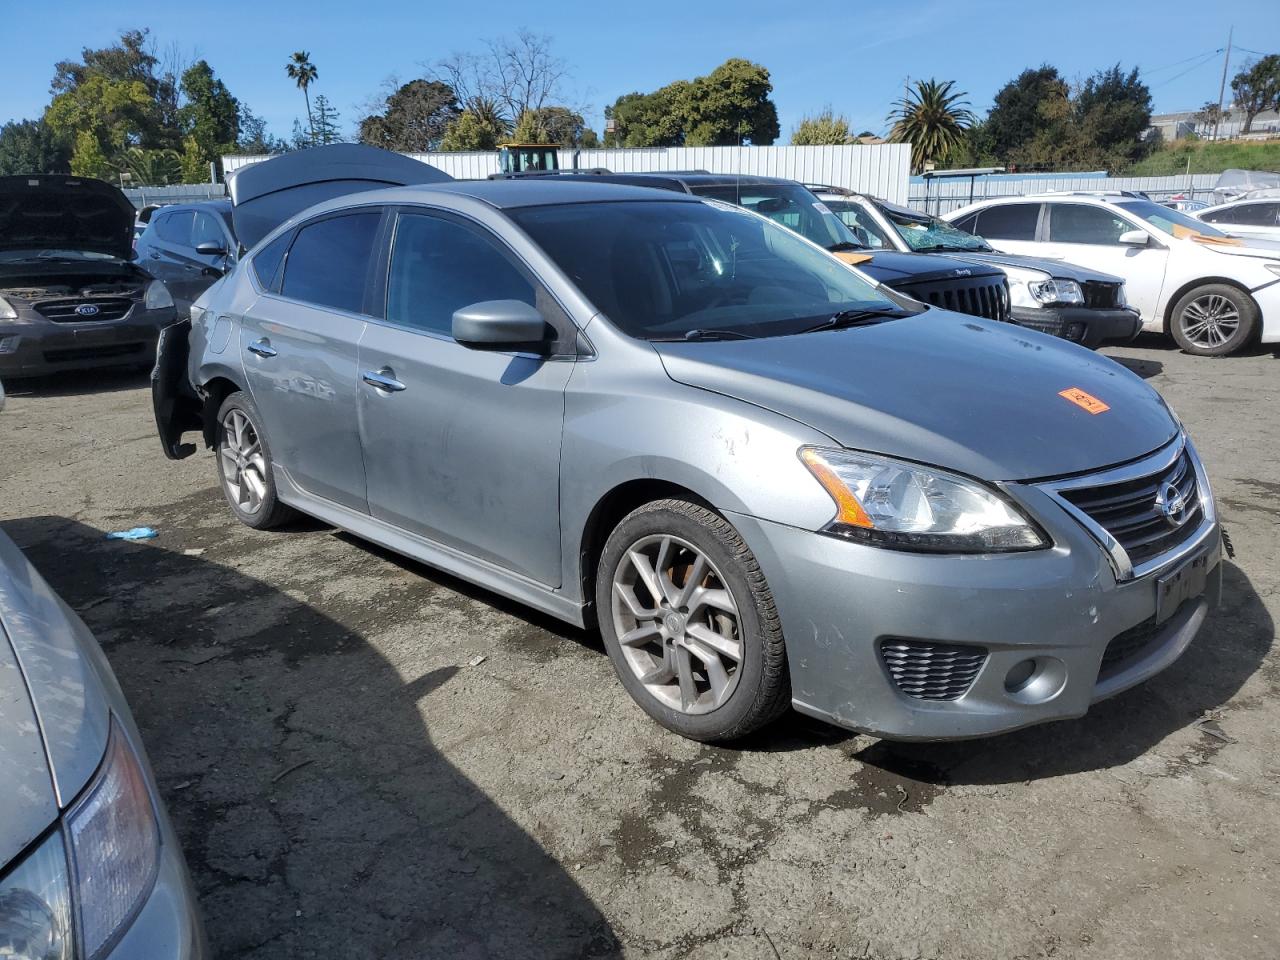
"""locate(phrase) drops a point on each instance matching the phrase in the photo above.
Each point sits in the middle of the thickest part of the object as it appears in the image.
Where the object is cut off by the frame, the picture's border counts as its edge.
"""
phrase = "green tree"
(210, 118)
(472, 131)
(152, 168)
(1113, 110)
(1018, 113)
(933, 119)
(303, 72)
(558, 125)
(821, 130)
(647, 119)
(1257, 88)
(326, 125)
(413, 119)
(88, 159)
(111, 113)
(29, 146)
(254, 136)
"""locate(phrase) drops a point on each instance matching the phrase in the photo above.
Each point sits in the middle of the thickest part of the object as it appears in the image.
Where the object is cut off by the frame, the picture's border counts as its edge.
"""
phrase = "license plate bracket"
(1187, 581)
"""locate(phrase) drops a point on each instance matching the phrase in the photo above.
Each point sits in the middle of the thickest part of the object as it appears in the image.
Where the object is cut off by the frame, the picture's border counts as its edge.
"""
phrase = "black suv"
(189, 246)
(978, 289)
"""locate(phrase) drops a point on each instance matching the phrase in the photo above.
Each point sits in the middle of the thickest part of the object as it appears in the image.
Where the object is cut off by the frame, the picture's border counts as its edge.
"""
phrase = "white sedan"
(1212, 292)
(1245, 218)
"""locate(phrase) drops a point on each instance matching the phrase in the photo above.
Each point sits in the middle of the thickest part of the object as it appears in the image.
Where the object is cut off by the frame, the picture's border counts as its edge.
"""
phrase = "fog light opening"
(1019, 675)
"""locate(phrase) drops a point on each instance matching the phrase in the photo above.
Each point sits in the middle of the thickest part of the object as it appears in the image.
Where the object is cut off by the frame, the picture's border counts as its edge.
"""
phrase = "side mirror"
(1135, 238)
(211, 248)
(499, 325)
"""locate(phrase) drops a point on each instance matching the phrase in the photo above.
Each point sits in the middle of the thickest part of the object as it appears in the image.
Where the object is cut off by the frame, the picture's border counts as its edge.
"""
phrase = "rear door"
(299, 348)
(464, 446)
(1089, 234)
(165, 243)
(1011, 227)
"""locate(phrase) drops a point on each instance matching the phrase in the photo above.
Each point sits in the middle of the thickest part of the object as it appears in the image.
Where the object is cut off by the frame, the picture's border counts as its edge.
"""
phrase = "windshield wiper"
(947, 247)
(845, 245)
(702, 335)
(859, 317)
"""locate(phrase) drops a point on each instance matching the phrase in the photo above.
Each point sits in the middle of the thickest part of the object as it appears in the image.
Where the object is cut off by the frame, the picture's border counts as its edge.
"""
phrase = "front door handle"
(262, 348)
(383, 379)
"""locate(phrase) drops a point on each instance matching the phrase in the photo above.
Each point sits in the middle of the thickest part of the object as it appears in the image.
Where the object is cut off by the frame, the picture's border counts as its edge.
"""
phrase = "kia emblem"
(87, 310)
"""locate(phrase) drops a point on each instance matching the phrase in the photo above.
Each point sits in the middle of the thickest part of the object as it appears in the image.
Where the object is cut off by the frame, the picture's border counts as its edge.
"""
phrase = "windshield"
(1163, 218)
(865, 230)
(926, 234)
(38, 253)
(662, 270)
(790, 205)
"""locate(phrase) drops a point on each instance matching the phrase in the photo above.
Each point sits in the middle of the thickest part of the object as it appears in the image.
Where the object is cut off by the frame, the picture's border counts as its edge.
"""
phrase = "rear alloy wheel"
(690, 624)
(244, 466)
(1214, 320)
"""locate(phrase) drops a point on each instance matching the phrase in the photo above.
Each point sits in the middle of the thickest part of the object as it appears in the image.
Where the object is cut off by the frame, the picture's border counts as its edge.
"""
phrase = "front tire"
(1214, 320)
(690, 624)
(244, 465)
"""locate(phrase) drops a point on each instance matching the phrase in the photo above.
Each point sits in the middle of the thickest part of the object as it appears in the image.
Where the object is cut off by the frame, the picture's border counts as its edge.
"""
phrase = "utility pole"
(1222, 87)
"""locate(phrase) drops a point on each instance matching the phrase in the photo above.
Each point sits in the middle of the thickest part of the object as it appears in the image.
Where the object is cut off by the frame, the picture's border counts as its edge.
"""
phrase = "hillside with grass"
(1208, 157)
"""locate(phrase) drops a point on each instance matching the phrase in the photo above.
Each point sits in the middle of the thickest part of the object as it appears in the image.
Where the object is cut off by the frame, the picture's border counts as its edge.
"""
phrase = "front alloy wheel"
(1214, 320)
(244, 465)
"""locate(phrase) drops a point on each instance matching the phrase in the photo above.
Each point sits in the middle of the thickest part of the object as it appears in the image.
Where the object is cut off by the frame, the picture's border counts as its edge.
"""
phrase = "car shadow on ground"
(317, 816)
(78, 383)
(1229, 649)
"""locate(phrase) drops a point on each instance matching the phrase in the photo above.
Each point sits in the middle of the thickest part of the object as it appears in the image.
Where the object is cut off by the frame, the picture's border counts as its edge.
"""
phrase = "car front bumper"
(839, 601)
(1083, 325)
(33, 346)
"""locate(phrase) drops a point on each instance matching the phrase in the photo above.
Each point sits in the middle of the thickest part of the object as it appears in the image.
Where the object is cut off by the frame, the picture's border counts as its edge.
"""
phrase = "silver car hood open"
(972, 395)
(53, 713)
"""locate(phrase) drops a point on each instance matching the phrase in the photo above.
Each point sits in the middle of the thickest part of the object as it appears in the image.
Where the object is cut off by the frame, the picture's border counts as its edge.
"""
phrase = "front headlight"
(35, 906)
(902, 506)
(6, 310)
(158, 296)
(115, 846)
(1055, 290)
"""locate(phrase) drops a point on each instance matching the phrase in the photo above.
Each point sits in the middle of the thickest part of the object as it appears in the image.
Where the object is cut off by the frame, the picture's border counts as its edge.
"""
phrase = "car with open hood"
(89, 864)
(1053, 296)
(1213, 293)
(767, 479)
(71, 297)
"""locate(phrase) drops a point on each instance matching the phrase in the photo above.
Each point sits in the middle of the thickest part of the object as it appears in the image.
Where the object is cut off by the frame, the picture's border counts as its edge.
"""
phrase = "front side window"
(175, 228)
(1008, 221)
(207, 230)
(440, 265)
(790, 205)
(1080, 223)
(670, 270)
(328, 264)
(865, 230)
(1248, 214)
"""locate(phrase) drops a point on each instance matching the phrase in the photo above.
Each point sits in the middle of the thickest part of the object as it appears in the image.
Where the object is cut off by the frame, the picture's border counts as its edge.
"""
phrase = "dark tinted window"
(328, 263)
(1251, 214)
(439, 266)
(967, 224)
(789, 204)
(207, 230)
(175, 227)
(1078, 223)
(1008, 221)
(267, 260)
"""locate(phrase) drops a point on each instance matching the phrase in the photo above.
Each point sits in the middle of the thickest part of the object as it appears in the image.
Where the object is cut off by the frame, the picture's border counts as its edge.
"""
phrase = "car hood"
(1243, 247)
(54, 719)
(972, 395)
(891, 267)
(70, 213)
(1054, 268)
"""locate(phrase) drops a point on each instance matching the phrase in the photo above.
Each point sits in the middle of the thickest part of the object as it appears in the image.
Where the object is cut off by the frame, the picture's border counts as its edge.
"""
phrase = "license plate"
(1182, 584)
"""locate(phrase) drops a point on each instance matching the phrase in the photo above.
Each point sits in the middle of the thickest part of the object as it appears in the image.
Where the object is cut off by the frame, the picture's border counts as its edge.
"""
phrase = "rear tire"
(1213, 320)
(245, 466)
(690, 623)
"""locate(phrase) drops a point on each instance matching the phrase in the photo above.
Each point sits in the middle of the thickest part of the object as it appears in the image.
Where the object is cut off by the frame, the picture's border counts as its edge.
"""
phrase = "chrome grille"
(1132, 512)
(978, 296)
(931, 671)
(64, 311)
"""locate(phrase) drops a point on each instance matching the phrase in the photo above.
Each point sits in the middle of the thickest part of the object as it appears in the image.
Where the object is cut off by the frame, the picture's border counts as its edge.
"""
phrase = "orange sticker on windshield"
(1085, 401)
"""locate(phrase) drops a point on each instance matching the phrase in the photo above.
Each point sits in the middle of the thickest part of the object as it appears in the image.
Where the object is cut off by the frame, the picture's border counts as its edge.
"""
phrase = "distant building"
(1174, 126)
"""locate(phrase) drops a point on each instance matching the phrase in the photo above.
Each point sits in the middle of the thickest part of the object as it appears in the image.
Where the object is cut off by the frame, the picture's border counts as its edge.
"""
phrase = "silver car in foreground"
(89, 865)
(769, 481)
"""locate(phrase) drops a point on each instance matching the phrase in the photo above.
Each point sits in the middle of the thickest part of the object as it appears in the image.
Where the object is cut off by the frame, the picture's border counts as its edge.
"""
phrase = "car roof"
(512, 194)
(220, 206)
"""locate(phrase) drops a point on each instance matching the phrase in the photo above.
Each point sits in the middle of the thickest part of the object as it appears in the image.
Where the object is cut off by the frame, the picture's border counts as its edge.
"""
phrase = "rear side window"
(1078, 223)
(175, 227)
(328, 264)
(266, 262)
(1008, 221)
(1248, 214)
(439, 266)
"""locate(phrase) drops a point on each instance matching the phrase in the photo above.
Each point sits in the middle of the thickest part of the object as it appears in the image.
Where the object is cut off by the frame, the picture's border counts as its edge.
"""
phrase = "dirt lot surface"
(367, 759)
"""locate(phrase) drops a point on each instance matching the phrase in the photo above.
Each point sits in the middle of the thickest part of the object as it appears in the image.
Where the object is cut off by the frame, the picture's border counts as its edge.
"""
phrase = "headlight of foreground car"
(902, 506)
(35, 906)
(158, 296)
(1056, 291)
(6, 310)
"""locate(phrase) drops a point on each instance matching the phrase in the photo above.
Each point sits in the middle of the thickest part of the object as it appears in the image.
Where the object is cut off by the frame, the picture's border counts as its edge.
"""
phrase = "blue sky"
(853, 56)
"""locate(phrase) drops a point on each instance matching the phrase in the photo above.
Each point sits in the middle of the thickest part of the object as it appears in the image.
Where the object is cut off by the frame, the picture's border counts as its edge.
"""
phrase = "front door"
(462, 446)
(299, 350)
(1090, 236)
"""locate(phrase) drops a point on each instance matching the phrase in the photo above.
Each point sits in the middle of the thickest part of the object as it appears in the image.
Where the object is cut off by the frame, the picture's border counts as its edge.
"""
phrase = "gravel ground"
(368, 759)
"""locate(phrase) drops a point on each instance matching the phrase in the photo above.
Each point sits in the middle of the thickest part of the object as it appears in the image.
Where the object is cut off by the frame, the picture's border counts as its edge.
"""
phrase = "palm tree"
(302, 71)
(932, 119)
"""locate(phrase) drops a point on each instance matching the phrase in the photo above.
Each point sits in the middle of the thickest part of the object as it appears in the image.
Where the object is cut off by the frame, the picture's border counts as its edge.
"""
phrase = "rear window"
(175, 227)
(1008, 221)
(266, 262)
(328, 263)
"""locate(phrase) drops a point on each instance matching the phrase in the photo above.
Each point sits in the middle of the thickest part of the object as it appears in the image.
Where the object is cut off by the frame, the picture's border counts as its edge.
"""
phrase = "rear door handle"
(383, 379)
(262, 348)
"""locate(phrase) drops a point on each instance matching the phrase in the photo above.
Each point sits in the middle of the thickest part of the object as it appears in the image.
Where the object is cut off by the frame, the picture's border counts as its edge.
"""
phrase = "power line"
(1178, 63)
(1205, 60)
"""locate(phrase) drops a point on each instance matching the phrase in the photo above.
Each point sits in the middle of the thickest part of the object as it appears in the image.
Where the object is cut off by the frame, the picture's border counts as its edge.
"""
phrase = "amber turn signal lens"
(848, 510)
